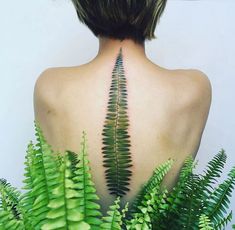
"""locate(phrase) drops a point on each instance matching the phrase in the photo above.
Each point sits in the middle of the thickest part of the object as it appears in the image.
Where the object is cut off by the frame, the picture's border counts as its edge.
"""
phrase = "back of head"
(120, 19)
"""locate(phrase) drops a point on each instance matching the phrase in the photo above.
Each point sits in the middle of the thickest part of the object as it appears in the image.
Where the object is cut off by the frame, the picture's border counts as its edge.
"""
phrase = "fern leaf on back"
(116, 140)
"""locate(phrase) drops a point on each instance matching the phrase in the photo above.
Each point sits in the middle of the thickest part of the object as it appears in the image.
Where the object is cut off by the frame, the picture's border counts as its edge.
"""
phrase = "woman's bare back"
(167, 112)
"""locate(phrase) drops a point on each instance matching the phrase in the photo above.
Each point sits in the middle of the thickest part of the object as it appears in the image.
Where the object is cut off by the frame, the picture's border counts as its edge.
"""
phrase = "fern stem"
(84, 173)
(64, 190)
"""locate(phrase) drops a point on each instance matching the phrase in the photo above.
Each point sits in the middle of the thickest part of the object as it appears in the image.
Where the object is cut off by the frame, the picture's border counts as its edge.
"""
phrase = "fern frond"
(160, 210)
(46, 176)
(73, 158)
(85, 187)
(224, 221)
(116, 140)
(149, 213)
(186, 171)
(176, 198)
(141, 220)
(9, 199)
(204, 223)
(212, 172)
(218, 202)
(153, 185)
(124, 214)
(8, 221)
(64, 211)
(190, 207)
(27, 199)
(152, 206)
(156, 179)
(10, 210)
(113, 220)
(29, 162)
(196, 192)
(58, 158)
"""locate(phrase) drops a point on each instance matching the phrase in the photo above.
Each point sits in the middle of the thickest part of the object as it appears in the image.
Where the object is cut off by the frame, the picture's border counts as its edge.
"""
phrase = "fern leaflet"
(204, 223)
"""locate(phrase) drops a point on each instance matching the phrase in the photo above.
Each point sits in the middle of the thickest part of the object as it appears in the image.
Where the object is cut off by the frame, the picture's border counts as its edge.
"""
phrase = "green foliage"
(150, 202)
(64, 211)
(45, 174)
(173, 213)
(9, 198)
(213, 171)
(116, 153)
(114, 219)
(10, 216)
(205, 223)
(87, 197)
(218, 201)
(224, 221)
(60, 194)
(154, 183)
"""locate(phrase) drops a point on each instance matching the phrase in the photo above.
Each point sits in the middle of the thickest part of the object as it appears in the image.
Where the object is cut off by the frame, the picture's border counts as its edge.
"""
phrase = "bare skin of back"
(167, 111)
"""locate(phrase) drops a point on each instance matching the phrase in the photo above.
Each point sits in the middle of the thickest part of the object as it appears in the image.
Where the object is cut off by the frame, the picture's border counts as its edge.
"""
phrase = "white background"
(35, 35)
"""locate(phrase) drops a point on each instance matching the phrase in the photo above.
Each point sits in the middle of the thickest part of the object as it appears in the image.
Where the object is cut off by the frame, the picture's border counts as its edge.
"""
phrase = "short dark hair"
(120, 19)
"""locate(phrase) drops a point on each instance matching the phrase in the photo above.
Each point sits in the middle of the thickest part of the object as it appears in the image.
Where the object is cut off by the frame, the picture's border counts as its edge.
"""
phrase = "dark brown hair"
(120, 19)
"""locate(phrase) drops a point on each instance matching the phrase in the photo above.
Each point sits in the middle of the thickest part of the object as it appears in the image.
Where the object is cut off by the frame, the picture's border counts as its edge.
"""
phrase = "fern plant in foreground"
(60, 194)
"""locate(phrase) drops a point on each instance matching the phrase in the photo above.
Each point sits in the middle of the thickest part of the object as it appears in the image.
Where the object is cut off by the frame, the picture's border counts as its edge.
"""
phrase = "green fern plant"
(60, 194)
(116, 141)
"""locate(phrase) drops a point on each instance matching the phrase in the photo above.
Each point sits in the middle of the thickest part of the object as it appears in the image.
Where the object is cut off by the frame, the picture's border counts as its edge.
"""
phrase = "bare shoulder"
(47, 77)
(196, 86)
(48, 84)
(46, 90)
(200, 79)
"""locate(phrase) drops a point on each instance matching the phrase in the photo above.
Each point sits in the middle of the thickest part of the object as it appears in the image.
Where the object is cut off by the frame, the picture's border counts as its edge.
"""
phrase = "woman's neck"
(109, 48)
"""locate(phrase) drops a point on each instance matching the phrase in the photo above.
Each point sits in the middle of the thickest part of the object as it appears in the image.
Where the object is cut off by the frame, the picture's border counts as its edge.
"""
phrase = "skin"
(167, 110)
